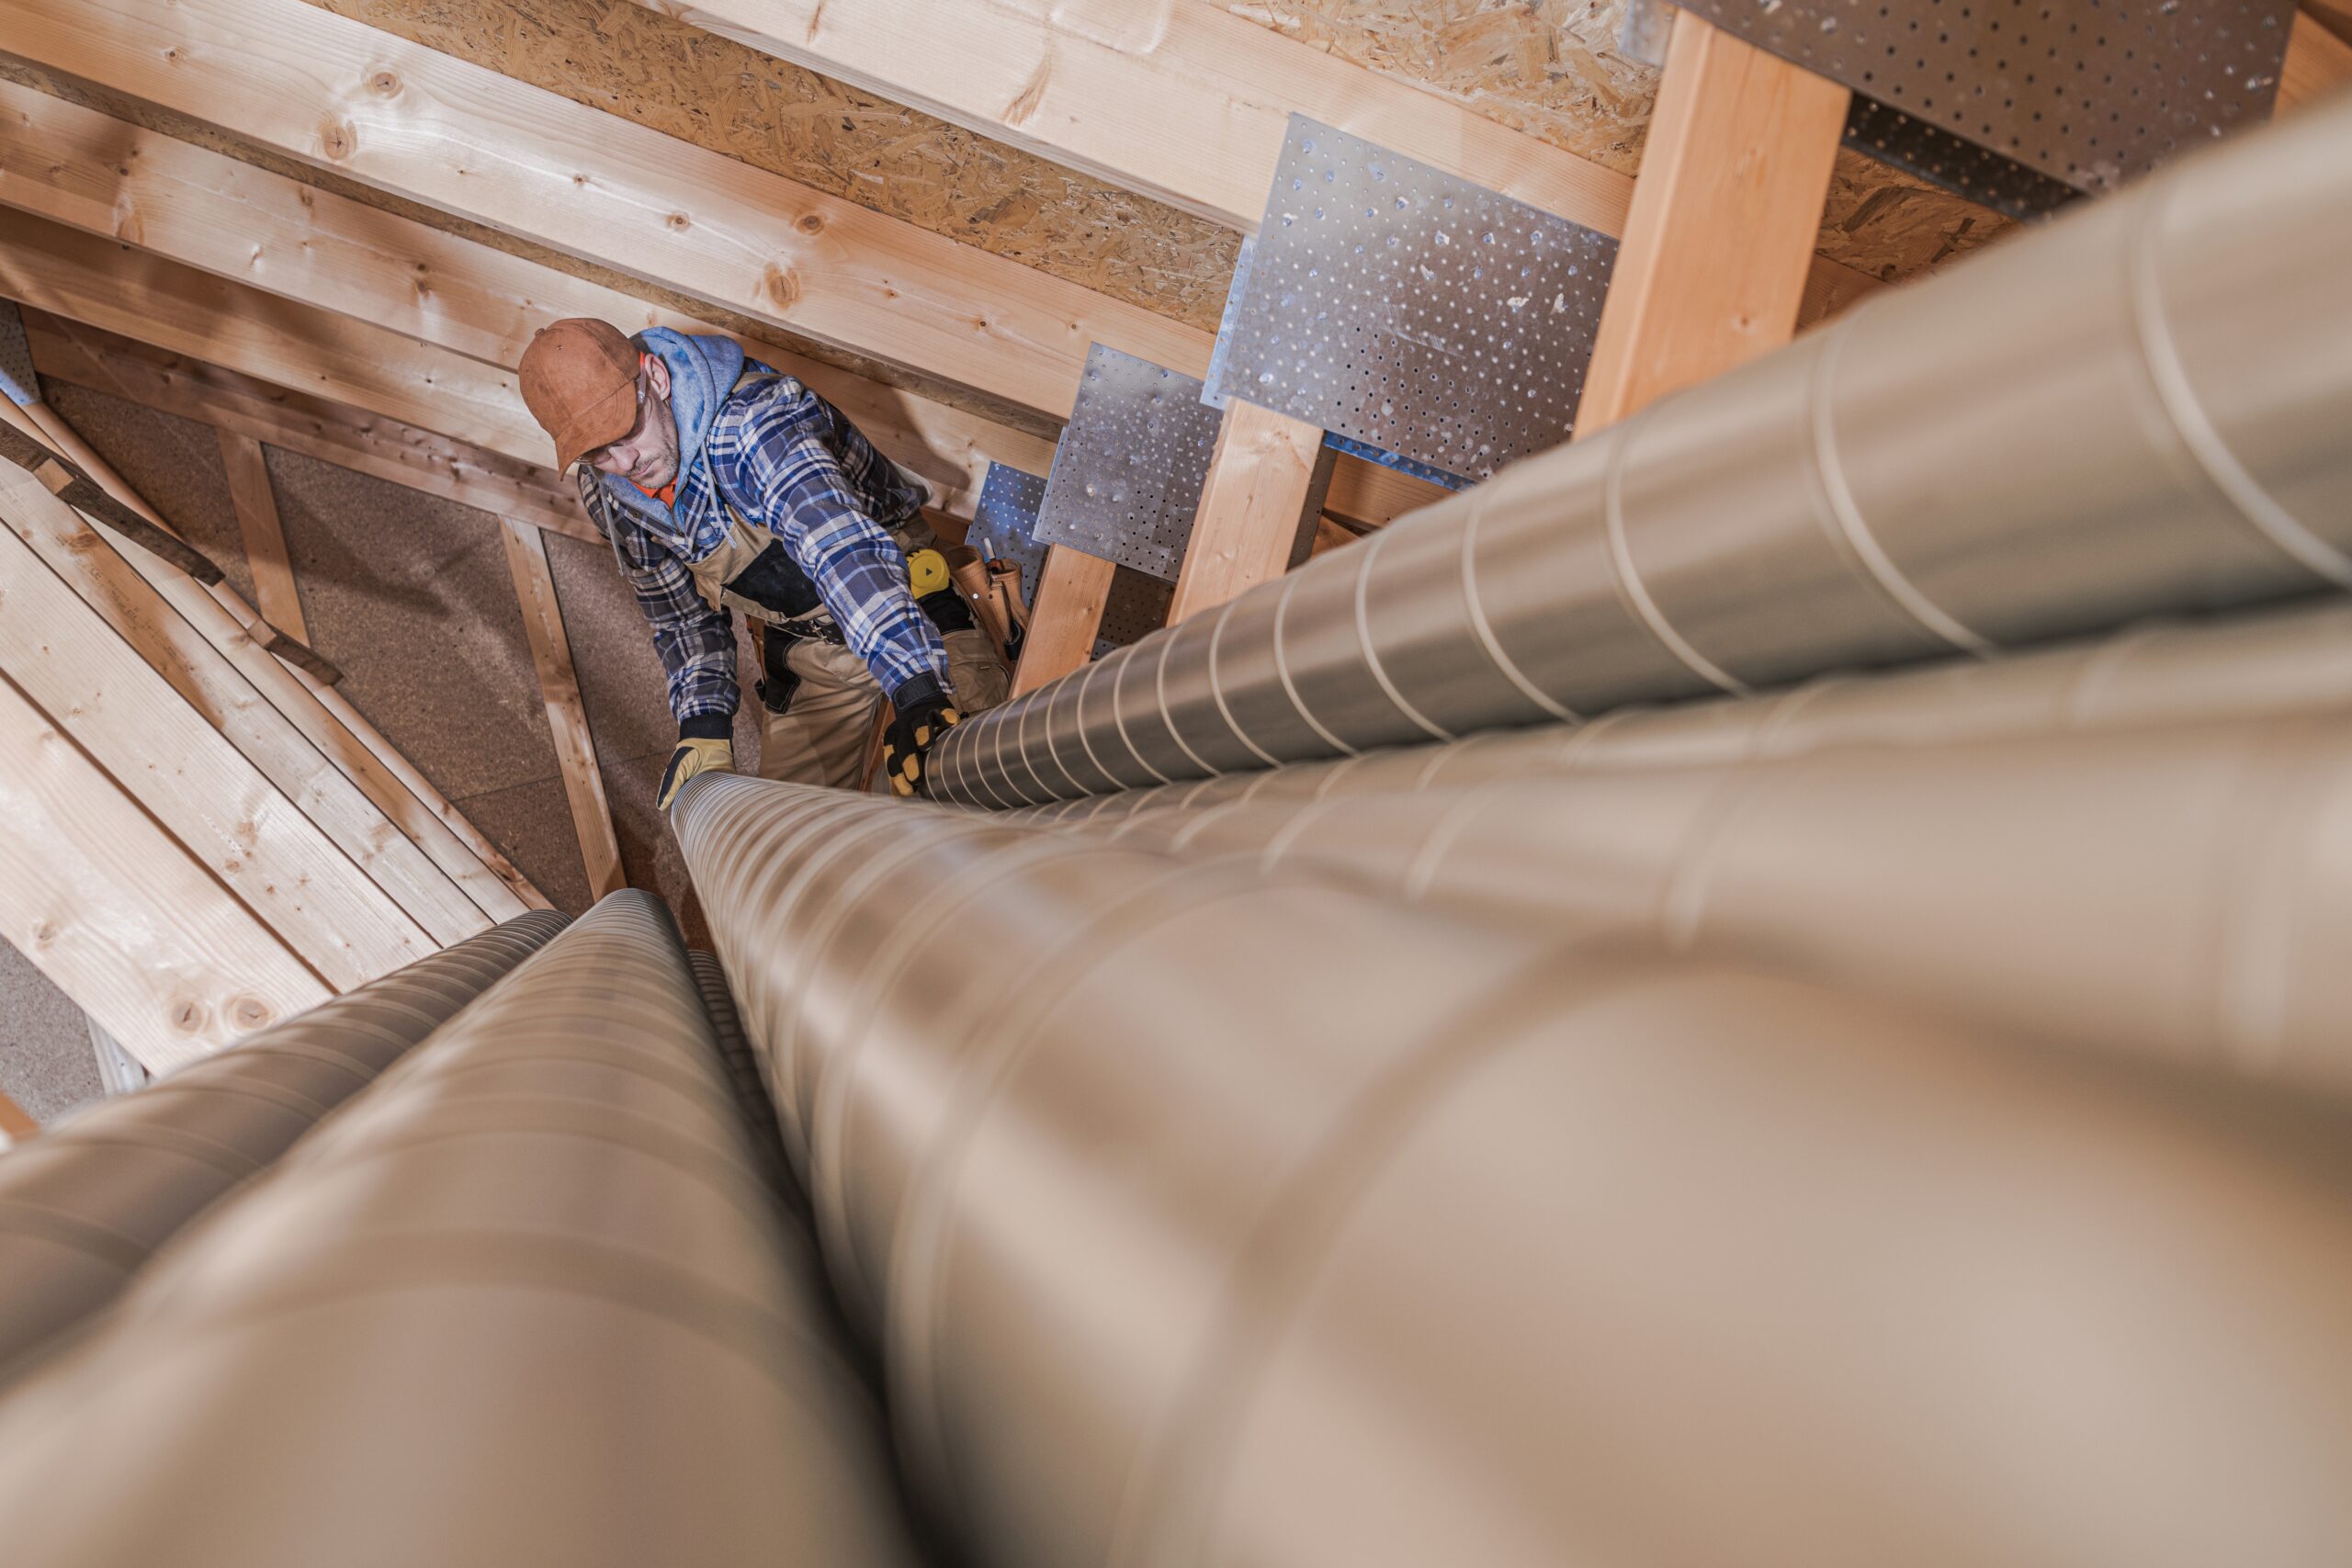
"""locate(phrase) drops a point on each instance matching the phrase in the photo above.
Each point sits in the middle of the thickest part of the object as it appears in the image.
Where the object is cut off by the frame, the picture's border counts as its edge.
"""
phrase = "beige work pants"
(824, 737)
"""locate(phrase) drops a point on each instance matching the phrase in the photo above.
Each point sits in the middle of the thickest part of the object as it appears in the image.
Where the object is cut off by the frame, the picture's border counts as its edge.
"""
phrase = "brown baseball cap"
(579, 380)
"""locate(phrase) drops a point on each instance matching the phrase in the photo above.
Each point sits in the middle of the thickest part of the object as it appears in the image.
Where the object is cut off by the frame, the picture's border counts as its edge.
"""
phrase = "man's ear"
(657, 375)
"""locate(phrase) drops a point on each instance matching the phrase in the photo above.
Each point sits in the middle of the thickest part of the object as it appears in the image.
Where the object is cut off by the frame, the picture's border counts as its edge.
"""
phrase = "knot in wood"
(385, 83)
(811, 223)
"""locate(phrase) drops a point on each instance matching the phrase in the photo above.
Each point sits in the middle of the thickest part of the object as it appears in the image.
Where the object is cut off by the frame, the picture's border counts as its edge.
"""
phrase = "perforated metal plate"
(1004, 522)
(16, 381)
(1959, 165)
(1412, 310)
(1135, 607)
(2087, 92)
(1128, 473)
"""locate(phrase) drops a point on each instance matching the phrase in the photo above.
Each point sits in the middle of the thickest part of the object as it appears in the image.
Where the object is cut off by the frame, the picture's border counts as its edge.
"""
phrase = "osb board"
(1550, 68)
(702, 88)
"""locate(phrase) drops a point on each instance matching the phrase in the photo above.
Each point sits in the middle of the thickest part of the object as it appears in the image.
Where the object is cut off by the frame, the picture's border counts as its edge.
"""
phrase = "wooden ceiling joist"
(1184, 103)
(105, 176)
(567, 176)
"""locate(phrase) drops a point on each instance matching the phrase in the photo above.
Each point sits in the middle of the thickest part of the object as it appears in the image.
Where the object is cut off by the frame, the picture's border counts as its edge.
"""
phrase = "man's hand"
(916, 725)
(693, 755)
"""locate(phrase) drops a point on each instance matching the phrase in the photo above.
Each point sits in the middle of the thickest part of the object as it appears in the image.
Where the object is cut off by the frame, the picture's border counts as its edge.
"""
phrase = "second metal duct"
(83, 1206)
(2141, 408)
(529, 1301)
(1208, 1220)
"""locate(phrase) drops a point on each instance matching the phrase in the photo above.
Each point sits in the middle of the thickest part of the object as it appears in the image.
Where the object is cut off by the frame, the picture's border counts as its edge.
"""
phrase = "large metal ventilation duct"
(83, 1206)
(1205, 1217)
(2141, 408)
(529, 1301)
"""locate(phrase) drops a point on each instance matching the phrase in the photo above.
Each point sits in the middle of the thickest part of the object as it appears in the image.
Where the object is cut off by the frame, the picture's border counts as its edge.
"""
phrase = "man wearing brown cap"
(723, 485)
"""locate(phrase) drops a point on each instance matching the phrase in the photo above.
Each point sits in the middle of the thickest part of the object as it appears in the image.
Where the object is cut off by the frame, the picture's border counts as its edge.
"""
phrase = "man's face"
(648, 455)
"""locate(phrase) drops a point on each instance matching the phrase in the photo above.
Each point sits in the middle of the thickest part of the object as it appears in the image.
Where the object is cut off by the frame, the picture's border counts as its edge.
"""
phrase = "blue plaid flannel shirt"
(791, 463)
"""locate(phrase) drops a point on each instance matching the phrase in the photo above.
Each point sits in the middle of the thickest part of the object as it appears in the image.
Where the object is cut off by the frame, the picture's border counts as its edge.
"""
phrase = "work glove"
(918, 719)
(695, 754)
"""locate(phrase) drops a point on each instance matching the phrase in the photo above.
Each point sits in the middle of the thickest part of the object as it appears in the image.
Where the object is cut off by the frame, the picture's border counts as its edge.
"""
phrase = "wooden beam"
(255, 503)
(105, 176)
(15, 1126)
(375, 444)
(442, 289)
(575, 748)
(340, 94)
(1099, 88)
(1718, 244)
(1066, 619)
(216, 682)
(2335, 16)
(165, 754)
(2318, 65)
(110, 906)
(1267, 481)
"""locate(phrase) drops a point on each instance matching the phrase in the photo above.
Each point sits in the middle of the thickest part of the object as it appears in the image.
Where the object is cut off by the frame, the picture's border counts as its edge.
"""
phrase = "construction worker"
(724, 485)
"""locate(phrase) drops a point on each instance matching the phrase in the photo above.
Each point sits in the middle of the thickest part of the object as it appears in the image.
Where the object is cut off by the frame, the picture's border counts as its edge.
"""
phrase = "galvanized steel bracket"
(1128, 473)
(1004, 524)
(1408, 310)
(2087, 95)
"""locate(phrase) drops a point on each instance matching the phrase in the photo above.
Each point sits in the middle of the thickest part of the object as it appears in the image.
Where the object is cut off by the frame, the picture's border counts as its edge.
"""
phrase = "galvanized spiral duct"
(530, 1300)
(2141, 408)
(83, 1207)
(1208, 1218)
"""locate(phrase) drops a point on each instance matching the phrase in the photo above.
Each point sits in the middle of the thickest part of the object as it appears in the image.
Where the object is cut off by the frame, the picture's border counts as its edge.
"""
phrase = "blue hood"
(702, 370)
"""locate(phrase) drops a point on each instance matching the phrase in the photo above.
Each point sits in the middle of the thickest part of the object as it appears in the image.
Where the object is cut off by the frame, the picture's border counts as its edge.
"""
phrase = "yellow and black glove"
(921, 714)
(695, 754)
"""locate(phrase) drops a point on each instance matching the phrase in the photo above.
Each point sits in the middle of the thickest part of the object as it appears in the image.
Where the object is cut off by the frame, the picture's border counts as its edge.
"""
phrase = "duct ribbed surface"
(1205, 1215)
(2141, 408)
(531, 1300)
(83, 1206)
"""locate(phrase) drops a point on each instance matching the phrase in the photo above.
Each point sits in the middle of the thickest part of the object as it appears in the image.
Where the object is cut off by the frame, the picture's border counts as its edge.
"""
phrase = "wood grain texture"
(1098, 87)
(214, 682)
(111, 908)
(497, 151)
(1066, 619)
(371, 444)
(2318, 63)
(575, 748)
(102, 175)
(275, 593)
(164, 751)
(1713, 268)
(1259, 508)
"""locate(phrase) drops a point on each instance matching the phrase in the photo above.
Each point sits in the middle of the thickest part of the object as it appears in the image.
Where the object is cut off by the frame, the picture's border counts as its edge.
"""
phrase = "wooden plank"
(2318, 65)
(1713, 266)
(375, 444)
(469, 294)
(1067, 616)
(575, 748)
(165, 754)
(1098, 87)
(119, 916)
(1258, 509)
(2334, 16)
(337, 94)
(16, 1125)
(255, 503)
(105, 176)
(215, 682)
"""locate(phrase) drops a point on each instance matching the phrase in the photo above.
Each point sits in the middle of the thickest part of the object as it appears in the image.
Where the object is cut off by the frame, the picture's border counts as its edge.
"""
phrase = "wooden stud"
(1257, 513)
(1067, 616)
(15, 1126)
(1720, 239)
(110, 906)
(255, 503)
(575, 748)
(2318, 63)
(164, 753)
